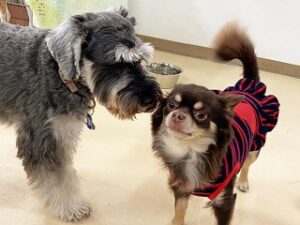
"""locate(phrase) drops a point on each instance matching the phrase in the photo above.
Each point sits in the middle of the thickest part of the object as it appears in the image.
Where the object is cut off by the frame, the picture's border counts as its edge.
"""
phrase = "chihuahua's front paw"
(177, 221)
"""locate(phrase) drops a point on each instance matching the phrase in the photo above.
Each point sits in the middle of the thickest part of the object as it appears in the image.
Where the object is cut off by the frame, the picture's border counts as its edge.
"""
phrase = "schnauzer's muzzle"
(125, 90)
(137, 97)
(150, 103)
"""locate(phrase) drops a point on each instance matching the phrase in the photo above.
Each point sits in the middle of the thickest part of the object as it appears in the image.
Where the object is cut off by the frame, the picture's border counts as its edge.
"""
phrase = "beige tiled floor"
(126, 185)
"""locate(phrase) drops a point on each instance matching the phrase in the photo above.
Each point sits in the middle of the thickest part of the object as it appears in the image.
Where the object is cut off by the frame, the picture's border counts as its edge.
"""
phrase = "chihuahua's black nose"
(178, 116)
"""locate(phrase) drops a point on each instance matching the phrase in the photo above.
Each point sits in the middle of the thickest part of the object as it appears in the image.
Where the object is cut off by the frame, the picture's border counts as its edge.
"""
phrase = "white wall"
(274, 25)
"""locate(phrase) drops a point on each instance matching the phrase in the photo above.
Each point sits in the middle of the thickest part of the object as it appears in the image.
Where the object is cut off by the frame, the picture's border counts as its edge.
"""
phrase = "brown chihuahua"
(205, 137)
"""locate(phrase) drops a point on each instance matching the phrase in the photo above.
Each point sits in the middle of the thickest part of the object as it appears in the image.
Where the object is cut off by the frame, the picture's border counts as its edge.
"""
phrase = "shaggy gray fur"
(47, 115)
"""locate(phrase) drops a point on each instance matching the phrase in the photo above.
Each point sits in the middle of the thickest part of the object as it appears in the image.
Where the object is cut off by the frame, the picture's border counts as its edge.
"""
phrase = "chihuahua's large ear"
(231, 100)
(65, 43)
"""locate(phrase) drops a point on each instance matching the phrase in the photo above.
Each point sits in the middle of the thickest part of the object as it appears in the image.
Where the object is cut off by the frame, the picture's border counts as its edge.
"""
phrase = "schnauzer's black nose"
(146, 101)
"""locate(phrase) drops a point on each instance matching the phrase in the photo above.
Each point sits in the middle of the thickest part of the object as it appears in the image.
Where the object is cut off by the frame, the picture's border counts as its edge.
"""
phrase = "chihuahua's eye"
(200, 115)
(171, 105)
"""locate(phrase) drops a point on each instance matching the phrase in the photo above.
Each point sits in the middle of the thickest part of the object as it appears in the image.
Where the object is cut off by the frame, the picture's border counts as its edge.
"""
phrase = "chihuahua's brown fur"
(193, 151)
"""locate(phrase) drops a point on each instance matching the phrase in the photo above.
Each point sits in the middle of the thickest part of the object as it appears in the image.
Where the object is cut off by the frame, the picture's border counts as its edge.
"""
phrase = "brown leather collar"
(69, 83)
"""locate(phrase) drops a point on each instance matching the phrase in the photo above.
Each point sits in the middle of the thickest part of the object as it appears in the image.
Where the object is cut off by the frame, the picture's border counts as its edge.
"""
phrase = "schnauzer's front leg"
(60, 191)
(46, 151)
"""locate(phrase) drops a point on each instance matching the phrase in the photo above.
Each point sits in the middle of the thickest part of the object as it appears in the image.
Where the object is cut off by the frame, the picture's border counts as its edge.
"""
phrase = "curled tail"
(231, 43)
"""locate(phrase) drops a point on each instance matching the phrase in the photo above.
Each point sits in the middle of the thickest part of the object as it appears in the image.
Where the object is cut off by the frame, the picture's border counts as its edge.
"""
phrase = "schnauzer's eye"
(171, 106)
(128, 43)
(200, 115)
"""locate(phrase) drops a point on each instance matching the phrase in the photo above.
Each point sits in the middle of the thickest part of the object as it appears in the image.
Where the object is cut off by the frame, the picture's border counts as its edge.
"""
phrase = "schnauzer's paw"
(243, 186)
(75, 212)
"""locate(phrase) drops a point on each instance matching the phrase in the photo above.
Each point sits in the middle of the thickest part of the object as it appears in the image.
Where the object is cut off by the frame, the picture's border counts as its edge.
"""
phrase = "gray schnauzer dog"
(48, 80)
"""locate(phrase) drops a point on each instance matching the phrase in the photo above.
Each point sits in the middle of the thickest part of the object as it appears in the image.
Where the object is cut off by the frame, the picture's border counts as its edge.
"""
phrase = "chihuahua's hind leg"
(223, 206)
(243, 183)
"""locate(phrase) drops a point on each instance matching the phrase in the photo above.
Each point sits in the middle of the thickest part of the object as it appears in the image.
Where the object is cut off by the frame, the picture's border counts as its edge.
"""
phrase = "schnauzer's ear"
(231, 100)
(65, 43)
(124, 12)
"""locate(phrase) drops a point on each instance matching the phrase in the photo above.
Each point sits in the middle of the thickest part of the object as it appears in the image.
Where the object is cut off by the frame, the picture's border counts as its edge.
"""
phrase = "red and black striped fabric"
(253, 118)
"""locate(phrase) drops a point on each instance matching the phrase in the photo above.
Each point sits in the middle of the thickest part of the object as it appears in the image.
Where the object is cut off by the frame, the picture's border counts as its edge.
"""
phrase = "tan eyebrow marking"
(198, 105)
(178, 98)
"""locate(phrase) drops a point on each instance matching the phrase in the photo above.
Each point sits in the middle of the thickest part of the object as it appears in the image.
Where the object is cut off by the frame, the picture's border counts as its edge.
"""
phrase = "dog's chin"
(180, 134)
(129, 111)
(121, 114)
(129, 115)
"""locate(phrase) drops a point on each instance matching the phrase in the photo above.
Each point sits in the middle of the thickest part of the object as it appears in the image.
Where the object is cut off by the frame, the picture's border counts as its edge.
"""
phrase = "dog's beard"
(127, 93)
(123, 106)
(125, 103)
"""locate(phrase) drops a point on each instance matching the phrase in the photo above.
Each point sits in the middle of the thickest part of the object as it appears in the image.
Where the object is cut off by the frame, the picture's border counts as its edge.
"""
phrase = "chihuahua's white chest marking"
(177, 148)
